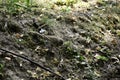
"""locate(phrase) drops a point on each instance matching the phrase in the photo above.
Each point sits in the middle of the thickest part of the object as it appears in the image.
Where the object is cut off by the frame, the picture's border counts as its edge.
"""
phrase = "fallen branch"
(33, 62)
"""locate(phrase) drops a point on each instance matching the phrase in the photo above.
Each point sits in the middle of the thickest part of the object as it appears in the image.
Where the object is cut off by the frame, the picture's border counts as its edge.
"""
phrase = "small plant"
(47, 20)
(69, 51)
(66, 9)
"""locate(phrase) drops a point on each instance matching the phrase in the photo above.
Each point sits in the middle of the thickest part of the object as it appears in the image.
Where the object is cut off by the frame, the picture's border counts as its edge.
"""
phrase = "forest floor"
(76, 43)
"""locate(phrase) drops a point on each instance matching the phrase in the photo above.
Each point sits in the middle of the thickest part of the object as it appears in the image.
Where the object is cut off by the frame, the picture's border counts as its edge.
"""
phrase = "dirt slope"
(79, 45)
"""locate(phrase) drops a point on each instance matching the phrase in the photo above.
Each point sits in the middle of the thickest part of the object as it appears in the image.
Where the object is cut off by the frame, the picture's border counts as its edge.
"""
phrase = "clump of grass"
(66, 2)
(14, 6)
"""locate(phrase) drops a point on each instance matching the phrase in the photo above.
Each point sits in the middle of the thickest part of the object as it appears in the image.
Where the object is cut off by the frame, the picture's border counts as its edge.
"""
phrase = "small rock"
(42, 31)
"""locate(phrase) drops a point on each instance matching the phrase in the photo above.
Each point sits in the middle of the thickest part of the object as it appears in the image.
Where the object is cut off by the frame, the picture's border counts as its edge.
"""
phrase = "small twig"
(101, 52)
(33, 62)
